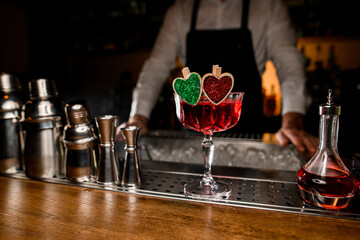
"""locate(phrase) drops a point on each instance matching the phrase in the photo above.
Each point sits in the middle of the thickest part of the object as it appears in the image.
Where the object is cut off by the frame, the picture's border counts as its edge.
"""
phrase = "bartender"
(239, 36)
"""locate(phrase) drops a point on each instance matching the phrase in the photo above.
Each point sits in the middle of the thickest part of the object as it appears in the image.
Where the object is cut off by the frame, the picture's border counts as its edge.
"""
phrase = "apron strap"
(194, 15)
(244, 20)
(245, 14)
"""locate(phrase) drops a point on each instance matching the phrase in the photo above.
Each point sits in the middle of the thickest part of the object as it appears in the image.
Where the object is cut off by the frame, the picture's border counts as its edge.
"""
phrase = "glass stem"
(208, 153)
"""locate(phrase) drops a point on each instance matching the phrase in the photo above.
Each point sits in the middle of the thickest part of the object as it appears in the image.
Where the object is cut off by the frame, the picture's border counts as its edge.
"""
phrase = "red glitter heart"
(217, 89)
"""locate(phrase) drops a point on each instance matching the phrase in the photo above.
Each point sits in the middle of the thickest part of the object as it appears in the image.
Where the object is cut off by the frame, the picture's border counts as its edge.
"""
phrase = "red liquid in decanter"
(331, 192)
(325, 181)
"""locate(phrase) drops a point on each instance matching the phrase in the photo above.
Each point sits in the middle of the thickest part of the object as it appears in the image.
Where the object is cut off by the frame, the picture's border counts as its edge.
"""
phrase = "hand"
(138, 121)
(292, 130)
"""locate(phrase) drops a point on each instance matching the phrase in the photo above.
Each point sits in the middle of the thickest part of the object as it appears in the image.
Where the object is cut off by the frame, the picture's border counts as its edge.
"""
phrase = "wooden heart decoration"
(217, 86)
(189, 88)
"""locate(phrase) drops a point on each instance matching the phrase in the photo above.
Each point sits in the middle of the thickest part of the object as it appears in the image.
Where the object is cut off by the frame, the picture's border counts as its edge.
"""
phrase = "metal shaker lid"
(9, 107)
(42, 88)
(9, 82)
(40, 108)
(79, 135)
(9, 103)
(329, 108)
(78, 112)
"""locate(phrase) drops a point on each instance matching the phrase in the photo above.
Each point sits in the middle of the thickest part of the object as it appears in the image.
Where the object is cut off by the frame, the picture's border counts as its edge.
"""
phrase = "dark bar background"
(94, 50)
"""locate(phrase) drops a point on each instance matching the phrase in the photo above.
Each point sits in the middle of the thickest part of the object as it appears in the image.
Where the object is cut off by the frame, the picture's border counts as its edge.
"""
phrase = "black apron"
(233, 51)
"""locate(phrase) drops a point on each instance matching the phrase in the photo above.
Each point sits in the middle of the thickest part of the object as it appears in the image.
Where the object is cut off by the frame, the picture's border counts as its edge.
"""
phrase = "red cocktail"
(208, 118)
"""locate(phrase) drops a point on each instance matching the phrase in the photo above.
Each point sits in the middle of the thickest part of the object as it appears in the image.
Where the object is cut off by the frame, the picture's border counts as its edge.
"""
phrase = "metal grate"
(244, 190)
(267, 194)
(253, 193)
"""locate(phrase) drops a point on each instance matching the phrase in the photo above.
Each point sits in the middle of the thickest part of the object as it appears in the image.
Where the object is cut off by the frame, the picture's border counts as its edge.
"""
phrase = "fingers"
(311, 143)
(119, 136)
(296, 139)
(303, 141)
(281, 138)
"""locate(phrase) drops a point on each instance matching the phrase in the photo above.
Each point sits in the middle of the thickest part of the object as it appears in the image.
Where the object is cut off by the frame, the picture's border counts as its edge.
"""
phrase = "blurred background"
(94, 50)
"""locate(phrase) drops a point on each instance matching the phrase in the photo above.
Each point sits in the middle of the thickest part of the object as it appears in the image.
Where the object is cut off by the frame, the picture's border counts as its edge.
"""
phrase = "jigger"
(108, 169)
(131, 176)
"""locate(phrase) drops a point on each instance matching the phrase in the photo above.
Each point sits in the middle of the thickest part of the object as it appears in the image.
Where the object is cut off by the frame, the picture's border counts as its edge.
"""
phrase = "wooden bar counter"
(38, 210)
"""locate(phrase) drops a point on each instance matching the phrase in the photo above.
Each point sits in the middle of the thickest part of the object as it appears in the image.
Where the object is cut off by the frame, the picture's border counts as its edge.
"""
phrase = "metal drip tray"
(251, 188)
(244, 190)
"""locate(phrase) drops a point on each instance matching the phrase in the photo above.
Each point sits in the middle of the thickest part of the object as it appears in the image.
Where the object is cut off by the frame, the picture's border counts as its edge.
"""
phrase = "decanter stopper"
(329, 108)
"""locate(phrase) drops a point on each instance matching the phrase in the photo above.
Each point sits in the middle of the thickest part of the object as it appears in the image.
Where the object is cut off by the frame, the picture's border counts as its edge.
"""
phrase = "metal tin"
(11, 137)
(43, 153)
(11, 143)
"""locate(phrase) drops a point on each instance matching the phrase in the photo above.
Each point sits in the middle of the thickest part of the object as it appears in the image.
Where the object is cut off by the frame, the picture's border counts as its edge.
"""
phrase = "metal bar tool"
(131, 176)
(108, 168)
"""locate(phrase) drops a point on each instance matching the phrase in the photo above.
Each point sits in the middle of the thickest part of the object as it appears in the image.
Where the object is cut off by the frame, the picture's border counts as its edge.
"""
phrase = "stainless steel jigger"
(108, 169)
(131, 176)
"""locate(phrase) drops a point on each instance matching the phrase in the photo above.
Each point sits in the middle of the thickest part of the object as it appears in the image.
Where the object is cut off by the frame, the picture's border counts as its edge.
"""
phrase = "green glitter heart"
(189, 89)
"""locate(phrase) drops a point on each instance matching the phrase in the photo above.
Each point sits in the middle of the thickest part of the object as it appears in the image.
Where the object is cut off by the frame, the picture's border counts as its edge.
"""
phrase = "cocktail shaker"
(43, 152)
(131, 176)
(43, 121)
(80, 142)
(11, 137)
(108, 168)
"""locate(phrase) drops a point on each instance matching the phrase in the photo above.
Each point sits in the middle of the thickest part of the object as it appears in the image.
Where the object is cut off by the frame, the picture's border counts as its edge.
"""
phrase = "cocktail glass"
(208, 118)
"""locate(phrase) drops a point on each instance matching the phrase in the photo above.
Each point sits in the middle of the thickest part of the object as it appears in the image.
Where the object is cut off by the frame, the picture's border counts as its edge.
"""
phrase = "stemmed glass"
(208, 118)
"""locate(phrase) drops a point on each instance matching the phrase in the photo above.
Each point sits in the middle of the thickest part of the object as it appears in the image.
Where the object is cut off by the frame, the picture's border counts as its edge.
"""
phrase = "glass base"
(325, 201)
(212, 190)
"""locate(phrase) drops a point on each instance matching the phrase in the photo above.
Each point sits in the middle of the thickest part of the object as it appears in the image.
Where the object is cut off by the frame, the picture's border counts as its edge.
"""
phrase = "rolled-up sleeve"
(281, 47)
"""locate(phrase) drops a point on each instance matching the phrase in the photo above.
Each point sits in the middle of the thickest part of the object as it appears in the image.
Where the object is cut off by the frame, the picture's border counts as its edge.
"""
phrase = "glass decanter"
(325, 181)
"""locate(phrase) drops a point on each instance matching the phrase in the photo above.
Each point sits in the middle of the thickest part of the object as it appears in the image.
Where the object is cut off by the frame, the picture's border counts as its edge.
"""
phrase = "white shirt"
(272, 36)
